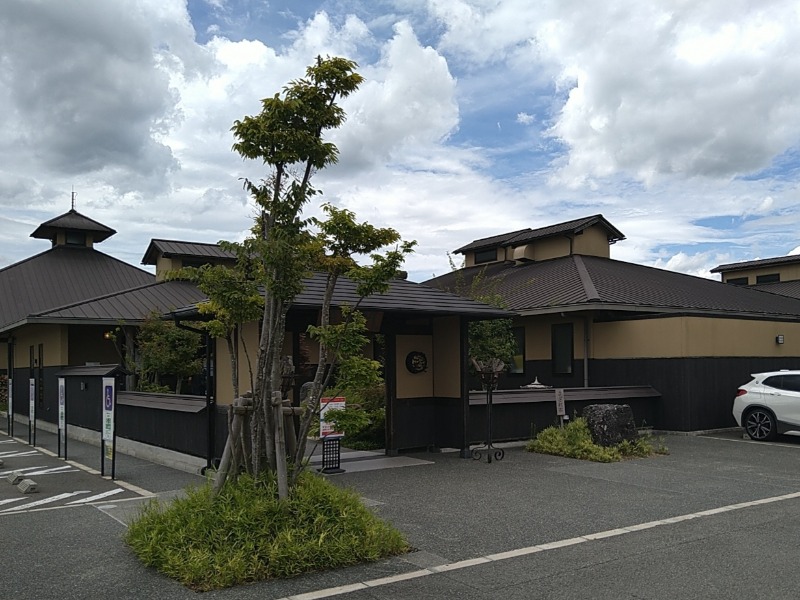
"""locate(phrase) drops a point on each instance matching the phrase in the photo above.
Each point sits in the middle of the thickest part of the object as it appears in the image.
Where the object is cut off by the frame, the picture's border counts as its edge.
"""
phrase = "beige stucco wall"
(165, 265)
(3, 356)
(223, 374)
(787, 272)
(593, 242)
(694, 336)
(446, 357)
(551, 248)
(538, 343)
(414, 385)
(54, 338)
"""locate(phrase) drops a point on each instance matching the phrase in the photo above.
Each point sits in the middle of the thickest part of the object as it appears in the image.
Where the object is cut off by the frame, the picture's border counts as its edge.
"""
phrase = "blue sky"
(677, 121)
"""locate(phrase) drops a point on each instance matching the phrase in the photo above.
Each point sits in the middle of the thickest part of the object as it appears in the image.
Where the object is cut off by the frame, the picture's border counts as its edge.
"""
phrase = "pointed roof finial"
(73, 197)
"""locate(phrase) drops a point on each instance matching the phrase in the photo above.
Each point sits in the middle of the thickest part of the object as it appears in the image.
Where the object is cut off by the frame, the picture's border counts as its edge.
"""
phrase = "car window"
(776, 381)
(791, 382)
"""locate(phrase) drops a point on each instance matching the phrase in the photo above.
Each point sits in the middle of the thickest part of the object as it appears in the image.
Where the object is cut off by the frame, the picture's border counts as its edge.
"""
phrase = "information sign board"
(32, 399)
(108, 409)
(62, 406)
(326, 429)
(561, 407)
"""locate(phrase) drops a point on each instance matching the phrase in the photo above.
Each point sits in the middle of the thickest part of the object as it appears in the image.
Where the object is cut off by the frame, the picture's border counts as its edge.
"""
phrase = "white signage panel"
(561, 407)
(108, 409)
(32, 399)
(11, 397)
(62, 404)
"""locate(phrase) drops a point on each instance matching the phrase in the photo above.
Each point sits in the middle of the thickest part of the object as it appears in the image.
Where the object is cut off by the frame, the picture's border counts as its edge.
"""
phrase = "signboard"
(62, 406)
(11, 398)
(561, 408)
(108, 409)
(326, 429)
(32, 399)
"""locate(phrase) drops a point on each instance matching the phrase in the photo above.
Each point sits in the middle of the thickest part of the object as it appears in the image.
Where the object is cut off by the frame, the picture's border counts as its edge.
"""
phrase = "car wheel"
(760, 425)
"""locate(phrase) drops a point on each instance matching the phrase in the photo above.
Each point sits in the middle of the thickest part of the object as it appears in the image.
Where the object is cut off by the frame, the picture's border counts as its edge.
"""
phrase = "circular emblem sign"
(416, 362)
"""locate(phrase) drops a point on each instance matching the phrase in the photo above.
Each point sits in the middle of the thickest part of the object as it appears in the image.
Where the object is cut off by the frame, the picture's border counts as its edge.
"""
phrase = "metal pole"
(209, 406)
(489, 422)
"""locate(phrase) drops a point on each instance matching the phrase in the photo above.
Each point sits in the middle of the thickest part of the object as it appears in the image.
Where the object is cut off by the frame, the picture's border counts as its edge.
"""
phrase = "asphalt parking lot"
(716, 518)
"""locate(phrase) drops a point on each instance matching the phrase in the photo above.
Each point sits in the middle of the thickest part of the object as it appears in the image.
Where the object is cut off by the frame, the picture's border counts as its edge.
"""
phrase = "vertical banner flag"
(11, 398)
(62, 406)
(108, 409)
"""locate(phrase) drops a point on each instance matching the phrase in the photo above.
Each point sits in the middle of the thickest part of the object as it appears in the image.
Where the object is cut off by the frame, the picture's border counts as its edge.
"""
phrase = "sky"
(677, 120)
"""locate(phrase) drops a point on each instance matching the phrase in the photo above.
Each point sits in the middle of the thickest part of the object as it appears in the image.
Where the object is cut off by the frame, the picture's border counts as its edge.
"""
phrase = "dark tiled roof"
(170, 248)
(132, 305)
(495, 240)
(524, 236)
(402, 297)
(591, 282)
(91, 370)
(784, 288)
(749, 264)
(75, 221)
(60, 276)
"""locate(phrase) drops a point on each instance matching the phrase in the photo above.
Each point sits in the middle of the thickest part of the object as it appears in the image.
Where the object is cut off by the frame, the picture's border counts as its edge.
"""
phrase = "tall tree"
(288, 137)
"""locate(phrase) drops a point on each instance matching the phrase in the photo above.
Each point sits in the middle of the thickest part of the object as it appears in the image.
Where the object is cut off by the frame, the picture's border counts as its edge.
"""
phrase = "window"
(737, 281)
(484, 256)
(784, 382)
(518, 365)
(769, 278)
(791, 383)
(561, 337)
(75, 238)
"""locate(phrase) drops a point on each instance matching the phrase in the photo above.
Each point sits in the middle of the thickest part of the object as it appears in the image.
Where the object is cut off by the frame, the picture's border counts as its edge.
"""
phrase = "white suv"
(769, 405)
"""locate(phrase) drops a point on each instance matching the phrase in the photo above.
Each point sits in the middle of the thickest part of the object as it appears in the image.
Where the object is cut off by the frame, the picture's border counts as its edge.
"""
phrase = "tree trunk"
(280, 446)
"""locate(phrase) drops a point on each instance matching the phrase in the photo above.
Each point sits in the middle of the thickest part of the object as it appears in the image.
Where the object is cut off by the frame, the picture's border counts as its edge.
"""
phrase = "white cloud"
(646, 112)
(525, 118)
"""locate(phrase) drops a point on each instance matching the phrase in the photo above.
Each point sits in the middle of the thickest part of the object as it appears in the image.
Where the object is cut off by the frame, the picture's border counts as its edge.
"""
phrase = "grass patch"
(246, 534)
(575, 441)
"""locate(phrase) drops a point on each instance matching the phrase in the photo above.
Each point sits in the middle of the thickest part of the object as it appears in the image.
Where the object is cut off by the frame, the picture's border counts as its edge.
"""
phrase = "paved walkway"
(717, 518)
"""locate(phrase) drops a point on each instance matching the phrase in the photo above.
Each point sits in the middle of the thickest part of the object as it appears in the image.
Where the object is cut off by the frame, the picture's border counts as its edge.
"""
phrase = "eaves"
(656, 311)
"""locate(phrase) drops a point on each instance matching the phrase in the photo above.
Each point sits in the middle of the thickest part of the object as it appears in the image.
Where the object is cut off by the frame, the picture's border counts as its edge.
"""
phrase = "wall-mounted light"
(109, 335)
(778, 339)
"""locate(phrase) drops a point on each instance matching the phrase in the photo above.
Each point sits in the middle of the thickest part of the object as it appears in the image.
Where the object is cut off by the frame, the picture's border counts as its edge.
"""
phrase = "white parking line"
(52, 471)
(22, 470)
(96, 497)
(14, 453)
(50, 500)
(481, 560)
(10, 500)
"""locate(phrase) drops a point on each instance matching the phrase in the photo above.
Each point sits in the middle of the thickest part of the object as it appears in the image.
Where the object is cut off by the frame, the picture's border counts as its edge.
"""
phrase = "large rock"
(610, 424)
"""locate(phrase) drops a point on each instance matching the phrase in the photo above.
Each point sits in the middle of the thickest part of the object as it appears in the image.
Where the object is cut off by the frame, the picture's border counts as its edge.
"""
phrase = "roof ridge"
(586, 279)
(184, 242)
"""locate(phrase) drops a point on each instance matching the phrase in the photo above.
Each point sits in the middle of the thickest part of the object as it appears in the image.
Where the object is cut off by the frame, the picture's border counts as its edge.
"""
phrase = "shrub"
(364, 419)
(575, 441)
(246, 534)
